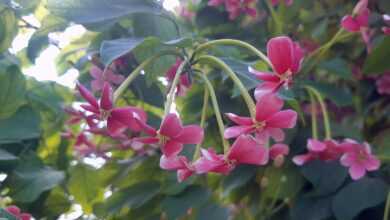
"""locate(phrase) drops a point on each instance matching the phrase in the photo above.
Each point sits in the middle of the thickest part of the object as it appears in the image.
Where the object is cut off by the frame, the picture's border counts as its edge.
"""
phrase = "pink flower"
(383, 84)
(286, 58)
(327, 150)
(84, 146)
(184, 83)
(237, 7)
(269, 120)
(118, 119)
(172, 135)
(76, 116)
(215, 2)
(277, 153)
(15, 211)
(245, 150)
(359, 18)
(287, 2)
(359, 159)
(100, 78)
(386, 30)
(178, 163)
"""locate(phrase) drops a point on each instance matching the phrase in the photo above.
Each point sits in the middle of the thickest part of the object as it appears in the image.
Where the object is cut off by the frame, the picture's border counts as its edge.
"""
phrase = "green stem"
(217, 112)
(275, 17)
(175, 82)
(324, 110)
(125, 84)
(233, 42)
(202, 119)
(244, 92)
(314, 126)
(386, 215)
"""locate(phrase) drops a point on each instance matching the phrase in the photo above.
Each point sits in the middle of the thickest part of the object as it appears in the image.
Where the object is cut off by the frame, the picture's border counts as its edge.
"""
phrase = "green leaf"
(340, 95)
(358, 196)
(113, 49)
(377, 61)
(239, 177)
(85, 187)
(24, 124)
(212, 211)
(89, 12)
(326, 177)
(131, 197)
(337, 66)
(56, 203)
(8, 28)
(308, 208)
(6, 157)
(192, 197)
(12, 90)
(160, 26)
(31, 178)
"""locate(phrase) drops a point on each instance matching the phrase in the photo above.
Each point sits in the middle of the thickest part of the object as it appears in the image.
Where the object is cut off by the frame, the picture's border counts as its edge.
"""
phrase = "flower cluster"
(357, 157)
(237, 7)
(15, 211)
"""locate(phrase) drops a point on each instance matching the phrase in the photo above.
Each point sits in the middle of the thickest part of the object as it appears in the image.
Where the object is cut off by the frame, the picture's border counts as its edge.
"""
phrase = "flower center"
(259, 125)
(163, 139)
(362, 156)
(104, 114)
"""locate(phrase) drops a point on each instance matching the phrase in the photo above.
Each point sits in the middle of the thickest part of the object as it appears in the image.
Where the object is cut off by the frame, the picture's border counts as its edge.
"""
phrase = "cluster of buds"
(15, 211)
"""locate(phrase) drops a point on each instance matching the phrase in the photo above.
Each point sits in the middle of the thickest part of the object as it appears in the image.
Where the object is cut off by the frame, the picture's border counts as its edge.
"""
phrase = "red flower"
(245, 150)
(100, 79)
(172, 135)
(359, 159)
(286, 58)
(327, 150)
(287, 2)
(359, 18)
(383, 84)
(184, 82)
(15, 211)
(269, 120)
(178, 163)
(118, 119)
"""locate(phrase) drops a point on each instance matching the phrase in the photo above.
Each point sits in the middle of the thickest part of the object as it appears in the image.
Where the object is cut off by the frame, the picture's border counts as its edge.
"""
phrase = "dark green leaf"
(192, 197)
(239, 177)
(326, 177)
(6, 215)
(113, 49)
(358, 196)
(24, 124)
(377, 61)
(8, 28)
(31, 178)
(338, 67)
(339, 95)
(212, 211)
(12, 90)
(307, 208)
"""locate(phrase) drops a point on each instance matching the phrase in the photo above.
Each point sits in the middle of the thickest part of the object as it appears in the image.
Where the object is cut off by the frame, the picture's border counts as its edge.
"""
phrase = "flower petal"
(184, 174)
(302, 159)
(235, 131)
(171, 125)
(283, 119)
(350, 24)
(372, 163)
(239, 119)
(266, 106)
(171, 163)
(315, 145)
(278, 149)
(172, 148)
(97, 85)
(266, 88)
(246, 150)
(357, 171)
(276, 133)
(106, 99)
(264, 76)
(115, 127)
(87, 95)
(280, 52)
(191, 134)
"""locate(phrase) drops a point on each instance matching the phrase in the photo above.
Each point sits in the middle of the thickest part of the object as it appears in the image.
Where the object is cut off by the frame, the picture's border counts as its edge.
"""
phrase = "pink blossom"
(269, 120)
(15, 211)
(359, 159)
(245, 150)
(184, 82)
(100, 78)
(287, 2)
(386, 30)
(172, 135)
(327, 150)
(237, 7)
(84, 146)
(178, 163)
(76, 116)
(359, 18)
(118, 119)
(383, 84)
(277, 153)
(286, 58)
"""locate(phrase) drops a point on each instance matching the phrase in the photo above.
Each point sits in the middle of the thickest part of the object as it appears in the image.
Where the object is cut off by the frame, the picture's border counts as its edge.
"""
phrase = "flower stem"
(324, 110)
(275, 17)
(125, 84)
(202, 119)
(386, 215)
(313, 114)
(233, 42)
(172, 90)
(217, 112)
(244, 92)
